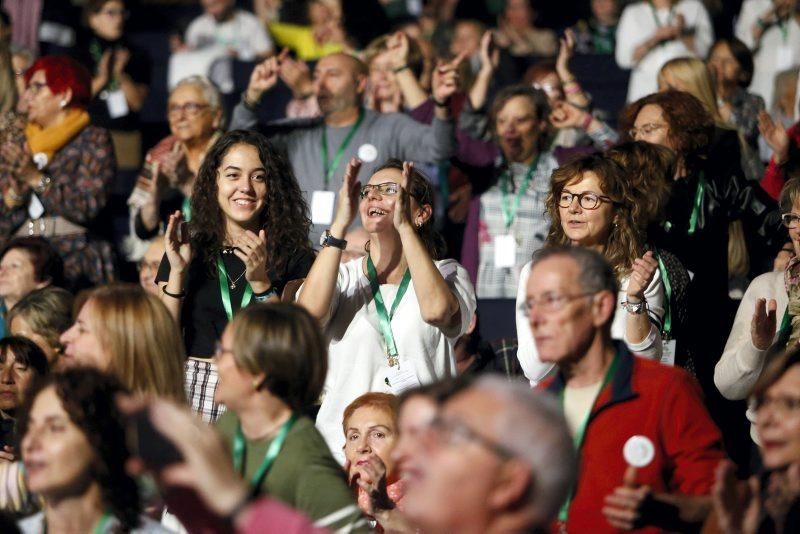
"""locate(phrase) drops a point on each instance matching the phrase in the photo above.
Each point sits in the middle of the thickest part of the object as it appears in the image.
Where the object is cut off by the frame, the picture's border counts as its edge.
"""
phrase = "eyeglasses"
(35, 87)
(587, 199)
(191, 109)
(645, 129)
(790, 220)
(456, 434)
(552, 302)
(387, 188)
(148, 265)
(781, 404)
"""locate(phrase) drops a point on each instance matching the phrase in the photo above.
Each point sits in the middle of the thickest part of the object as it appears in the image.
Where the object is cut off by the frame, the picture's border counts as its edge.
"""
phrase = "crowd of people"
(400, 266)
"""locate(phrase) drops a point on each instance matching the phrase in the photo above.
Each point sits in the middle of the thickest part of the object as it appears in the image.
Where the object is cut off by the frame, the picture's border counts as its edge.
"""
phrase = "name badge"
(668, 352)
(505, 251)
(402, 377)
(117, 105)
(322, 207)
(784, 57)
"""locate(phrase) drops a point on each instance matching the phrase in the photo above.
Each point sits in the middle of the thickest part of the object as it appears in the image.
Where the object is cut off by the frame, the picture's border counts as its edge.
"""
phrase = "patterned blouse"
(81, 175)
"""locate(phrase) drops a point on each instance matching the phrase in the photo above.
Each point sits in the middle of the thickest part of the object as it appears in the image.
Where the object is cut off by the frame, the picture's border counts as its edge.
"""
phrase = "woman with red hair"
(56, 171)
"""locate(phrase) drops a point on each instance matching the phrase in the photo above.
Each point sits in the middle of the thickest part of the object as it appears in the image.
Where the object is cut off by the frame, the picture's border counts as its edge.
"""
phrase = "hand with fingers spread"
(178, 254)
(623, 507)
(642, 273)
(264, 77)
(764, 323)
(446, 79)
(565, 52)
(401, 217)
(736, 505)
(252, 250)
(774, 133)
(349, 198)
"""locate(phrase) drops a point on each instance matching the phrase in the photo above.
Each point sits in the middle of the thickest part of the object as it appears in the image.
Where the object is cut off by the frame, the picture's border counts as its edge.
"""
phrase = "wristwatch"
(634, 308)
(327, 240)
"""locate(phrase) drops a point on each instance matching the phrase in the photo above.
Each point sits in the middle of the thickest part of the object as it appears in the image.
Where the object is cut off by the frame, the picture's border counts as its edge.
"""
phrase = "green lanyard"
(380, 307)
(186, 209)
(222, 276)
(99, 528)
(785, 330)
(97, 55)
(655, 14)
(510, 211)
(580, 433)
(667, 297)
(240, 446)
(698, 200)
(329, 169)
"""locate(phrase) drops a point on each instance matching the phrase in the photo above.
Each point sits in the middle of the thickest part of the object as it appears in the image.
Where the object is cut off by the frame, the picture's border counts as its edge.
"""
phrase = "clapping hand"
(252, 250)
(179, 253)
(565, 52)
(642, 273)
(762, 327)
(774, 133)
(401, 217)
(372, 480)
(737, 506)
(490, 55)
(349, 196)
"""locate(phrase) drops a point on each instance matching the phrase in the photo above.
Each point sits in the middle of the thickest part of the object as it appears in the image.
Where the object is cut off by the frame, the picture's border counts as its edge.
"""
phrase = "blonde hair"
(141, 337)
(696, 79)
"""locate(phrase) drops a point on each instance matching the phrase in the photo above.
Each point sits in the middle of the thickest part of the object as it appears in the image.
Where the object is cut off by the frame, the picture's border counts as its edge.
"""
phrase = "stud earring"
(63, 104)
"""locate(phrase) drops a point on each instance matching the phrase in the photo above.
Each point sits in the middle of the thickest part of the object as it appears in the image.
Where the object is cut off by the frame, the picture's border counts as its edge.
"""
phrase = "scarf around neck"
(45, 142)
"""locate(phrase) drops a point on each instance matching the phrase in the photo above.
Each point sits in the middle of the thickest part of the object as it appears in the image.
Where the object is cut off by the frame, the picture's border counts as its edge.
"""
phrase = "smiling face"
(17, 276)
(370, 430)
(518, 130)
(382, 78)
(56, 453)
(82, 344)
(377, 208)
(187, 125)
(584, 227)
(778, 424)
(15, 377)
(242, 186)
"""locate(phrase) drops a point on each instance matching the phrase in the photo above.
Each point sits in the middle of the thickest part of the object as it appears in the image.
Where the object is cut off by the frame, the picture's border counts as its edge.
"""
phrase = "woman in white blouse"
(590, 203)
(650, 33)
(393, 316)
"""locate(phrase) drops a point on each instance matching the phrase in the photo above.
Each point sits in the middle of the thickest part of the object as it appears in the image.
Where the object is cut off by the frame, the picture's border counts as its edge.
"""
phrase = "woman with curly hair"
(74, 451)
(591, 205)
(248, 237)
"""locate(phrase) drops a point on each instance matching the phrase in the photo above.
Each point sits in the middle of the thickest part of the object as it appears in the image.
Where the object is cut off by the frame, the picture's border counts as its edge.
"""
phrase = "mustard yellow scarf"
(44, 142)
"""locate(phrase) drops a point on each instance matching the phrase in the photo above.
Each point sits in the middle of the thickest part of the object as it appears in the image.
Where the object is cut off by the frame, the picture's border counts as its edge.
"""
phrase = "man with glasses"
(610, 396)
(497, 458)
(319, 149)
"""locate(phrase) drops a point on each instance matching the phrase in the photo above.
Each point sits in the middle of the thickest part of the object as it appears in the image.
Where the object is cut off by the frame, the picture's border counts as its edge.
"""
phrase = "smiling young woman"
(248, 237)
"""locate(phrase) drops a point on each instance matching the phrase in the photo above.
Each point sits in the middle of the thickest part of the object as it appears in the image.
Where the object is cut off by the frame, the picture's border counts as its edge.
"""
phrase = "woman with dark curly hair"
(248, 237)
(74, 451)
(591, 205)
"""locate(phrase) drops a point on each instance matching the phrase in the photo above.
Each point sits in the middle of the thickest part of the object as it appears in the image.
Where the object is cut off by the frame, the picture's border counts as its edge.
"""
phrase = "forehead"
(789, 383)
(371, 415)
(17, 254)
(47, 404)
(588, 181)
(39, 76)
(336, 62)
(516, 106)
(649, 113)
(188, 92)
(386, 175)
(556, 273)
(243, 156)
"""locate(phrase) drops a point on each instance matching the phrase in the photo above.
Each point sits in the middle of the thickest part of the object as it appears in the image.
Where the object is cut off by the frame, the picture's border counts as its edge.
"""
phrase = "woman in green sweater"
(272, 362)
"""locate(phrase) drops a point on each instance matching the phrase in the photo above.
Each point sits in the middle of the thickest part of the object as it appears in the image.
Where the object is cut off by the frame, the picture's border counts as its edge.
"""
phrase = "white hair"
(532, 426)
(210, 92)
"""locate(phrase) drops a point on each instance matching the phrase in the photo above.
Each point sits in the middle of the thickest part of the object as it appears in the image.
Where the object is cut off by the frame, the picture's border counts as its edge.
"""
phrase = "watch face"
(322, 239)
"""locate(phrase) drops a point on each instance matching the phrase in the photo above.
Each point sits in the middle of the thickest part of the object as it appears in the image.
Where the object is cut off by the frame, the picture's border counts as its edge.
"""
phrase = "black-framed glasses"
(451, 432)
(552, 302)
(790, 220)
(386, 188)
(587, 199)
(191, 109)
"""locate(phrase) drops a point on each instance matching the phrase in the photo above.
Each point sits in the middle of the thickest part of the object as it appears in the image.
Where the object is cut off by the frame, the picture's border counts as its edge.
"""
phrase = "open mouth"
(376, 212)
(244, 202)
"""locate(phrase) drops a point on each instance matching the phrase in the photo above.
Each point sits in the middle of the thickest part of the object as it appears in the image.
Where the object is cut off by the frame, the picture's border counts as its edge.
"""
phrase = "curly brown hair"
(626, 240)
(649, 170)
(284, 216)
(691, 127)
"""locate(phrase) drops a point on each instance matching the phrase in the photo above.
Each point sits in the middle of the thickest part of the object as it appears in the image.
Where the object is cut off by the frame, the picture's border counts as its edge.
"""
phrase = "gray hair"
(533, 427)
(596, 274)
(210, 92)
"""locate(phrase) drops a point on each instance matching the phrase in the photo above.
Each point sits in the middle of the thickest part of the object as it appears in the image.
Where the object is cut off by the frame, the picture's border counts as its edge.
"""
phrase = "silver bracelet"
(634, 308)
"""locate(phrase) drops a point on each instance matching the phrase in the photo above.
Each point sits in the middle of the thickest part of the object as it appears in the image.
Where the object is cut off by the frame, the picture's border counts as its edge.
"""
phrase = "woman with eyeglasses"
(591, 204)
(247, 238)
(393, 316)
(56, 174)
(768, 315)
(166, 181)
(770, 500)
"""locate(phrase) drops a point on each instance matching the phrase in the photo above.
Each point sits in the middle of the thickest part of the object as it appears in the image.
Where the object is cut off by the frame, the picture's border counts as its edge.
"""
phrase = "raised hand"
(397, 49)
(178, 254)
(490, 55)
(565, 52)
(264, 76)
(566, 115)
(642, 273)
(349, 196)
(121, 58)
(252, 250)
(445, 78)
(296, 75)
(775, 135)
(401, 217)
(762, 327)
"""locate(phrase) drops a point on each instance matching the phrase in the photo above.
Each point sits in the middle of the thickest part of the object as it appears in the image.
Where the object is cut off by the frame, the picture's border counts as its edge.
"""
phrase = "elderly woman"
(591, 205)
(55, 178)
(42, 316)
(422, 304)
(370, 431)
(26, 264)
(272, 364)
(74, 450)
(194, 112)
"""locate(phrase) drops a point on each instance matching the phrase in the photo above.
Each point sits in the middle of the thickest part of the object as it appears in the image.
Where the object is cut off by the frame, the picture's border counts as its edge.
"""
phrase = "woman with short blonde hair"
(123, 330)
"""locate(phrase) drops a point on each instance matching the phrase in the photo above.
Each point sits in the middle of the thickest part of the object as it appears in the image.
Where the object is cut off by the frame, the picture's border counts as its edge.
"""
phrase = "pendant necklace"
(232, 283)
